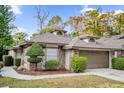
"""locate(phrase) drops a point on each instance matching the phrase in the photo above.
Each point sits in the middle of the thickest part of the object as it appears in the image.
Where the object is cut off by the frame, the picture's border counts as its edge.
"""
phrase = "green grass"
(64, 82)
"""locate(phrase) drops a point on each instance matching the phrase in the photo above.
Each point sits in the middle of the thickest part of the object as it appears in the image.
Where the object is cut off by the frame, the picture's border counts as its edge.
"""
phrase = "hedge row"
(8, 60)
(118, 63)
(18, 62)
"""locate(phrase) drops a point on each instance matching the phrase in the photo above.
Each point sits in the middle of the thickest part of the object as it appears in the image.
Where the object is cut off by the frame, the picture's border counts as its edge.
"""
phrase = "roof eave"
(77, 47)
(97, 48)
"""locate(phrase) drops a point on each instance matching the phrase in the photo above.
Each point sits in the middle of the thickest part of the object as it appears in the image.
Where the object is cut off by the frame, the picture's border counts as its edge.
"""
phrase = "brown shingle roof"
(113, 41)
(76, 42)
(51, 38)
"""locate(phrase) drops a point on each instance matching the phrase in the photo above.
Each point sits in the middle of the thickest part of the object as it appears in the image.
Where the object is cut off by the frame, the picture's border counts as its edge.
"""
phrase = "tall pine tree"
(6, 26)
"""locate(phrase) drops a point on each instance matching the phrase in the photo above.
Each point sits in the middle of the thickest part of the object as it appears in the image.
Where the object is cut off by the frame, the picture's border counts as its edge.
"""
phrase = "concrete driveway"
(108, 73)
(104, 72)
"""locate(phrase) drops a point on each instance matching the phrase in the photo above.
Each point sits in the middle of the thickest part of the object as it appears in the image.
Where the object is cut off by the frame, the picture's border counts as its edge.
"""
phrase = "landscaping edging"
(45, 72)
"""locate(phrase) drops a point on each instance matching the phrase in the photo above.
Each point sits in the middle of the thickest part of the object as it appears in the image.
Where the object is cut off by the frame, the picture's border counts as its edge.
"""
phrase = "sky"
(26, 15)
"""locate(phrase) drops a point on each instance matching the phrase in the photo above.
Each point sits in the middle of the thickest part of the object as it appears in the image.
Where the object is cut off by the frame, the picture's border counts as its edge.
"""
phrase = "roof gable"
(51, 38)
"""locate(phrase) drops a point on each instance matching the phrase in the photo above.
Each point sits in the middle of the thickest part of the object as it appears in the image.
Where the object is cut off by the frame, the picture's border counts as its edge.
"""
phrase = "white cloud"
(118, 11)
(21, 29)
(86, 8)
(16, 9)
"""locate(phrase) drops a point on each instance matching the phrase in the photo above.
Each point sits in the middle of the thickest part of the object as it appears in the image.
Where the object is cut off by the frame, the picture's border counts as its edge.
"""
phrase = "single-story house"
(58, 46)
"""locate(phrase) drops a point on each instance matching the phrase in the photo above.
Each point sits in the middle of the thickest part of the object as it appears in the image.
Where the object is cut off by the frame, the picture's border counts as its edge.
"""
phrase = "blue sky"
(26, 21)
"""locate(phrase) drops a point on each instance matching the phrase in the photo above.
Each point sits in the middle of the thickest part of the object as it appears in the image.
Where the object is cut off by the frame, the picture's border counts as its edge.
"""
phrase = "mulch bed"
(44, 72)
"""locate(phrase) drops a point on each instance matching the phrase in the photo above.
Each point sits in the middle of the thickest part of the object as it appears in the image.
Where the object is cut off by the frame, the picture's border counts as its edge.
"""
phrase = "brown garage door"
(96, 59)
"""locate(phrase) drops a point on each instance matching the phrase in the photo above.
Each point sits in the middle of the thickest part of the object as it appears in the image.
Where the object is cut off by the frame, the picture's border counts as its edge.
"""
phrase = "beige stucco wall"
(61, 58)
(24, 58)
(12, 53)
(110, 59)
(19, 53)
(116, 53)
(16, 53)
(68, 55)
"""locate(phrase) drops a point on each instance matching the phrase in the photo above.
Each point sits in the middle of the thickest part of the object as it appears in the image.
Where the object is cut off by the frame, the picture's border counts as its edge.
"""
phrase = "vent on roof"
(58, 32)
(92, 40)
(88, 39)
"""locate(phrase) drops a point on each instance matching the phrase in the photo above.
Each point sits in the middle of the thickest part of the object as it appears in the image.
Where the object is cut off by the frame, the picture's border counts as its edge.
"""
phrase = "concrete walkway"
(104, 72)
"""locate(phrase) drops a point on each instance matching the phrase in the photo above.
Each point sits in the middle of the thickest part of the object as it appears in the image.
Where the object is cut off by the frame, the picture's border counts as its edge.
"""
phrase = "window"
(19, 53)
(52, 53)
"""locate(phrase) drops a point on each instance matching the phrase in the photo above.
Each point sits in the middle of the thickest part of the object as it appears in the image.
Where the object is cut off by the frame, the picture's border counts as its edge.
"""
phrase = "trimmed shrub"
(34, 51)
(34, 60)
(1, 66)
(18, 62)
(8, 60)
(118, 63)
(52, 65)
(78, 64)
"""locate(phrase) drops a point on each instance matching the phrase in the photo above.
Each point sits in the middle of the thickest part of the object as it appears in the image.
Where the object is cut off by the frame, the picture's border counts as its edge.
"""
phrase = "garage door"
(96, 59)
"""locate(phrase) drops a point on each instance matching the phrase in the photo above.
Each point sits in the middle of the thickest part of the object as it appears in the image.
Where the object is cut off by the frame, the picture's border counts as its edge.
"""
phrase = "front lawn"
(64, 82)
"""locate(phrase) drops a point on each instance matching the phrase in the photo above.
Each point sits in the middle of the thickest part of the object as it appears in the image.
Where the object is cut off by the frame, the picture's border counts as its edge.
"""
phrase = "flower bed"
(44, 72)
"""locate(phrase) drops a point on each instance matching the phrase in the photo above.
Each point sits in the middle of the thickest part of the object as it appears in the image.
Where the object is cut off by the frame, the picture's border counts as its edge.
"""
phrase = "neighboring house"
(60, 47)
